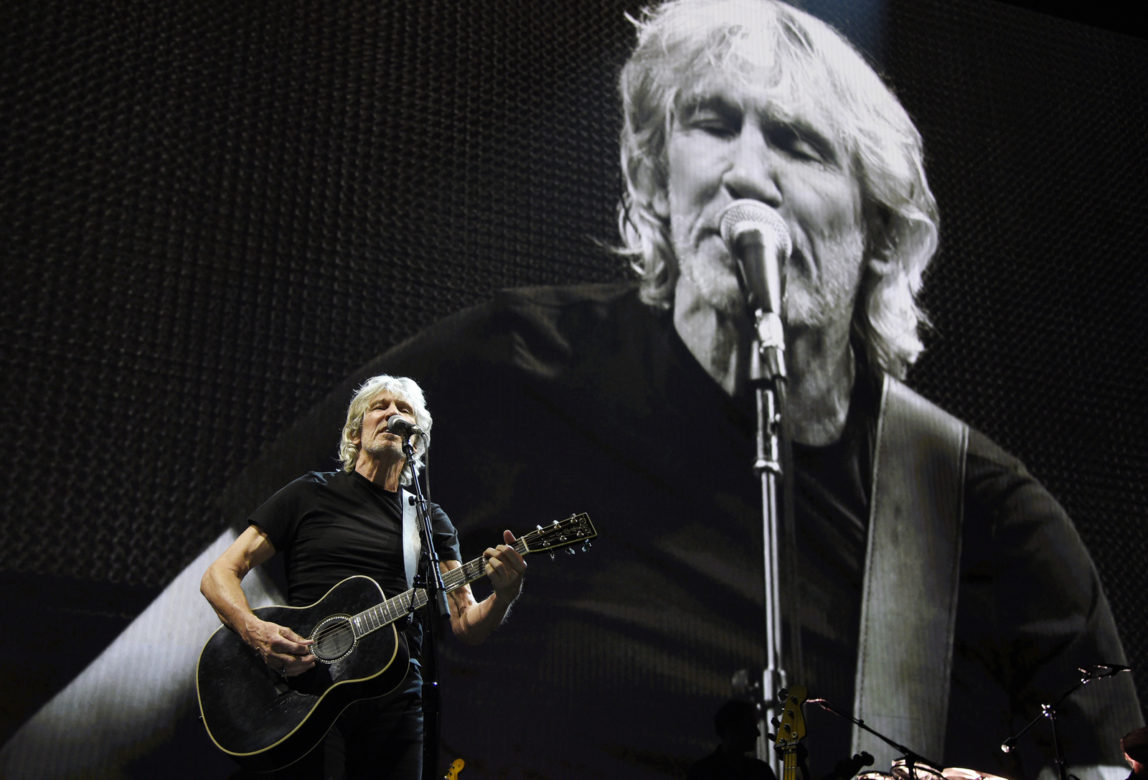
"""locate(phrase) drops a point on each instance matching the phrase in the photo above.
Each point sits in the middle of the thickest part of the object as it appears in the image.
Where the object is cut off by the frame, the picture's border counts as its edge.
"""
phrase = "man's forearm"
(480, 620)
(222, 587)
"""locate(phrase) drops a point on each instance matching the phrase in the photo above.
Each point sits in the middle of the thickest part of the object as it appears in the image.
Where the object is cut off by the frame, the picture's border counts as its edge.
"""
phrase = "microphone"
(1087, 675)
(759, 241)
(403, 427)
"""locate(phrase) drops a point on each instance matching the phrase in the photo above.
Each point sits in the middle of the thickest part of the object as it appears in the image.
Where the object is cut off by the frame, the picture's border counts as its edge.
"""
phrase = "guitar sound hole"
(333, 639)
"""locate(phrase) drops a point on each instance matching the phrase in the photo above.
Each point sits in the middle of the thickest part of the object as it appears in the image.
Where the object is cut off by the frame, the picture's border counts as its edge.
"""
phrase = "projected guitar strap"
(909, 593)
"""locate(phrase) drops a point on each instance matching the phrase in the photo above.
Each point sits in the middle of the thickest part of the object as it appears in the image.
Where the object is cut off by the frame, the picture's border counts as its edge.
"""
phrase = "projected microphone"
(759, 240)
(401, 426)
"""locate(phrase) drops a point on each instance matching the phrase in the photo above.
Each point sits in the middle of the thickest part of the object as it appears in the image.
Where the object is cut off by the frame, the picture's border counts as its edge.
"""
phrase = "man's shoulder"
(562, 297)
(308, 482)
(999, 488)
(980, 446)
(518, 334)
(320, 478)
(521, 324)
(518, 309)
(924, 406)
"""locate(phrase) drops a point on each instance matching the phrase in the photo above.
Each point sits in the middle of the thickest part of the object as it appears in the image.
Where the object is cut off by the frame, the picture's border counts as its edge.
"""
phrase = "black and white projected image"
(221, 221)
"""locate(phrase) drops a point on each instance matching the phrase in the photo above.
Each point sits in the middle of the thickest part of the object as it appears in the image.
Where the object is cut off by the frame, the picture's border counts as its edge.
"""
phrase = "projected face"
(728, 142)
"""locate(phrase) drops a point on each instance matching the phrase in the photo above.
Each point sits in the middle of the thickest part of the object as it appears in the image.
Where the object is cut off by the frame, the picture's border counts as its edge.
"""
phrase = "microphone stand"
(767, 378)
(759, 240)
(911, 758)
(1049, 711)
(429, 573)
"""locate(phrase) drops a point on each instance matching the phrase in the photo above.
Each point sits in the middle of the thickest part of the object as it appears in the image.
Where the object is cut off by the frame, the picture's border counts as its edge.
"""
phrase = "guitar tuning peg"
(553, 555)
(538, 527)
(586, 545)
(571, 551)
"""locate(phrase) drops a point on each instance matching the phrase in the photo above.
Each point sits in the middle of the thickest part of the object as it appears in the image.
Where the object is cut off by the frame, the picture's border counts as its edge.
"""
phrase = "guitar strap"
(412, 542)
(909, 592)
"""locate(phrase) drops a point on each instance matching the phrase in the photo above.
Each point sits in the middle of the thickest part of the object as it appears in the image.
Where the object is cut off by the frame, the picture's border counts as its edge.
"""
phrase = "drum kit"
(913, 766)
(901, 771)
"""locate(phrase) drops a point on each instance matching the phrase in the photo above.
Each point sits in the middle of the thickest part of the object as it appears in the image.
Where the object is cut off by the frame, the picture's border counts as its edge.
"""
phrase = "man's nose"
(752, 171)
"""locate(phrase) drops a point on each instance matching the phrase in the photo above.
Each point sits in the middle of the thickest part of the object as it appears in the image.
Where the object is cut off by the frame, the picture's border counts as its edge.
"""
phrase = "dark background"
(211, 213)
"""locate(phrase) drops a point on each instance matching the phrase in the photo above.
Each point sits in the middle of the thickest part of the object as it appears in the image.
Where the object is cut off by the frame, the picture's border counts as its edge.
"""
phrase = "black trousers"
(372, 738)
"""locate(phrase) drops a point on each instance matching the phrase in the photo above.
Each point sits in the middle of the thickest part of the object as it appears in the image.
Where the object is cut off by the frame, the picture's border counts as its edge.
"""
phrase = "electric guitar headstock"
(790, 728)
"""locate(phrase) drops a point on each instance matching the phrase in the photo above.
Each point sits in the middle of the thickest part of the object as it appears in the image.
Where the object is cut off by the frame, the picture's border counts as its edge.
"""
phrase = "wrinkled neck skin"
(385, 470)
(819, 362)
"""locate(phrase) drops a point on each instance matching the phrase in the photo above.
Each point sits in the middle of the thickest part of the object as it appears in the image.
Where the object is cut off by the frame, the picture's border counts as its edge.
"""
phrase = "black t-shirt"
(832, 503)
(554, 400)
(333, 525)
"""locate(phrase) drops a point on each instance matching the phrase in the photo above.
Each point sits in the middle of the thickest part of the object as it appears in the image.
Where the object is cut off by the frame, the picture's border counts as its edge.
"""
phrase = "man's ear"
(880, 264)
(879, 246)
(905, 247)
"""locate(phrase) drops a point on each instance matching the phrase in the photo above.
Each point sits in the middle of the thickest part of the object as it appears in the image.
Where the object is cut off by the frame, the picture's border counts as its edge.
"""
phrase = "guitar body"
(265, 721)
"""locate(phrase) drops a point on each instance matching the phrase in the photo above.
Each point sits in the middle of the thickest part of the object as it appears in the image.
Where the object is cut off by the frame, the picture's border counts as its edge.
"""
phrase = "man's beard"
(716, 285)
(807, 303)
(377, 447)
(818, 306)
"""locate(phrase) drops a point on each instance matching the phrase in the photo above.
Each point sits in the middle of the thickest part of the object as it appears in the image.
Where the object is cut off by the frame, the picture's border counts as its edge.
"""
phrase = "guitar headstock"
(575, 529)
(791, 728)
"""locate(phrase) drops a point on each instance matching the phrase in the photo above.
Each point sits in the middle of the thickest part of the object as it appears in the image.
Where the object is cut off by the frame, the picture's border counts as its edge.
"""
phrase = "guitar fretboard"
(398, 607)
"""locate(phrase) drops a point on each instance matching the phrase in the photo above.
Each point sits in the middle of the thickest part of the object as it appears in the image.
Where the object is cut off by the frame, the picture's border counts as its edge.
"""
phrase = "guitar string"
(468, 572)
(342, 627)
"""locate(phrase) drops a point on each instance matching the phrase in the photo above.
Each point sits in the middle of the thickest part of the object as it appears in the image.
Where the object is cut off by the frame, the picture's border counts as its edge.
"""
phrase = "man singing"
(331, 526)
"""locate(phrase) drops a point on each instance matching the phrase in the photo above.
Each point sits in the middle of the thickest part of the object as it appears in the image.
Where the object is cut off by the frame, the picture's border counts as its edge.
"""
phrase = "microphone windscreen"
(402, 426)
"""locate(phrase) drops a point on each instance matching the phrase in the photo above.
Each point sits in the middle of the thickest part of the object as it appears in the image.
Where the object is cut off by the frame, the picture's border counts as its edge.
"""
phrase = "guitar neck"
(473, 570)
(398, 607)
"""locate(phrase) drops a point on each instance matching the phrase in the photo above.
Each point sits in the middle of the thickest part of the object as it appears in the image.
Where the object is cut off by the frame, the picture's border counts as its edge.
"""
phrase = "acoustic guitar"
(265, 721)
